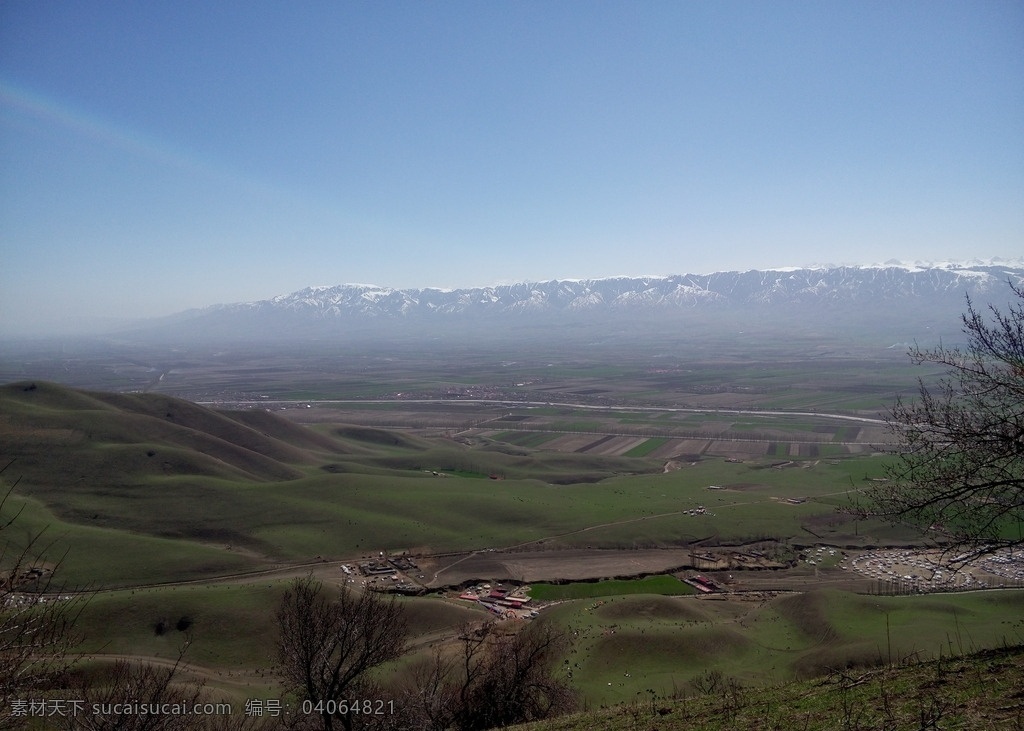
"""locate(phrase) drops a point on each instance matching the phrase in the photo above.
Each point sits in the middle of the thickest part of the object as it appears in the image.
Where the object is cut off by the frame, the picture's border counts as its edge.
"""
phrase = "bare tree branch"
(499, 675)
(960, 456)
(327, 647)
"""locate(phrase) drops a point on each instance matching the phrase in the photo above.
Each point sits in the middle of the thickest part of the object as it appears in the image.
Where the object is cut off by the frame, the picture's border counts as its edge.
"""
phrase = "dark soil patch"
(595, 444)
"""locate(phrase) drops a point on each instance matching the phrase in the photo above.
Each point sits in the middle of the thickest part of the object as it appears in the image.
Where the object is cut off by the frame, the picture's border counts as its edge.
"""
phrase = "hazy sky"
(156, 156)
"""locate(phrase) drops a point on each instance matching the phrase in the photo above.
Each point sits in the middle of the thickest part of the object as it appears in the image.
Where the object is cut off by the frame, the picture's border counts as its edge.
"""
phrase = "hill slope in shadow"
(59, 434)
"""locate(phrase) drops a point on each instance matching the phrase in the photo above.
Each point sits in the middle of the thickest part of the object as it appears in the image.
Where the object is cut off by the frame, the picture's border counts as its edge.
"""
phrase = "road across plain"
(559, 404)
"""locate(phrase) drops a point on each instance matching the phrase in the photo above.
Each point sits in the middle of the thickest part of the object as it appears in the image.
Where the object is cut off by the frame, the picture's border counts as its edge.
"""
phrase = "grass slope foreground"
(980, 691)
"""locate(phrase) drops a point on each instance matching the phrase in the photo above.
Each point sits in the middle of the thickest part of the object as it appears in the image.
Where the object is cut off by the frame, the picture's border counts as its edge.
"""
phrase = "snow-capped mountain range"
(886, 290)
(890, 282)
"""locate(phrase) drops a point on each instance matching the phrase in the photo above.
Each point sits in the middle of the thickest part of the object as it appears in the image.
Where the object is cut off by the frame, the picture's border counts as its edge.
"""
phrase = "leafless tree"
(328, 647)
(140, 696)
(960, 455)
(36, 622)
(114, 700)
(500, 674)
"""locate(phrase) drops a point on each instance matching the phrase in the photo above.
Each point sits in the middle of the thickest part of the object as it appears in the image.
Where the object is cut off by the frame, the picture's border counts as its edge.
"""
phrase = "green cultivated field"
(642, 450)
(525, 439)
(667, 585)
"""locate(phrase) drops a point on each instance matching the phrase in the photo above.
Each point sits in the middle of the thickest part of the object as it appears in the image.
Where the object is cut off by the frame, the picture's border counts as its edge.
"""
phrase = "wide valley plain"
(680, 507)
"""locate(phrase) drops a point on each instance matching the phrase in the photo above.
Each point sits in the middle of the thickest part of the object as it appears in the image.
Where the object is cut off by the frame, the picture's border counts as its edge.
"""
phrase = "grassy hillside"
(981, 691)
(139, 488)
(629, 645)
(113, 475)
(93, 556)
(626, 649)
(229, 626)
(59, 434)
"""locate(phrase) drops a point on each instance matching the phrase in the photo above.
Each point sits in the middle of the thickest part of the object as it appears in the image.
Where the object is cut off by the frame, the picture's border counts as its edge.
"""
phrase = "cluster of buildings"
(386, 574)
(505, 603)
(702, 584)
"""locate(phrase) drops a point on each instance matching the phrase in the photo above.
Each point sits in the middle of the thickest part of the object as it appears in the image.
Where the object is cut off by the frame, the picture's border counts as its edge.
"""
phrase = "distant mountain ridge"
(873, 291)
(834, 284)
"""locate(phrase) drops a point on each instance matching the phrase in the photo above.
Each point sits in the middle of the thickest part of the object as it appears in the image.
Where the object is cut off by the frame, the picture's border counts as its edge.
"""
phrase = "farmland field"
(664, 585)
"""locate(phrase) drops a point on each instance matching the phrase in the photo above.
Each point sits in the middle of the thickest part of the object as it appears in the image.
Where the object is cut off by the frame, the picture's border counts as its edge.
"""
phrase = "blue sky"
(156, 156)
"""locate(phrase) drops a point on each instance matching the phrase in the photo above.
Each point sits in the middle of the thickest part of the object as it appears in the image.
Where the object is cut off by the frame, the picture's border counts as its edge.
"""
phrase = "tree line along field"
(726, 443)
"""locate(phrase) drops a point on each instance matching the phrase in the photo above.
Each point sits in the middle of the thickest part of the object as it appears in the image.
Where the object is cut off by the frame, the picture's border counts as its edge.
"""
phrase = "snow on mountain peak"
(859, 286)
